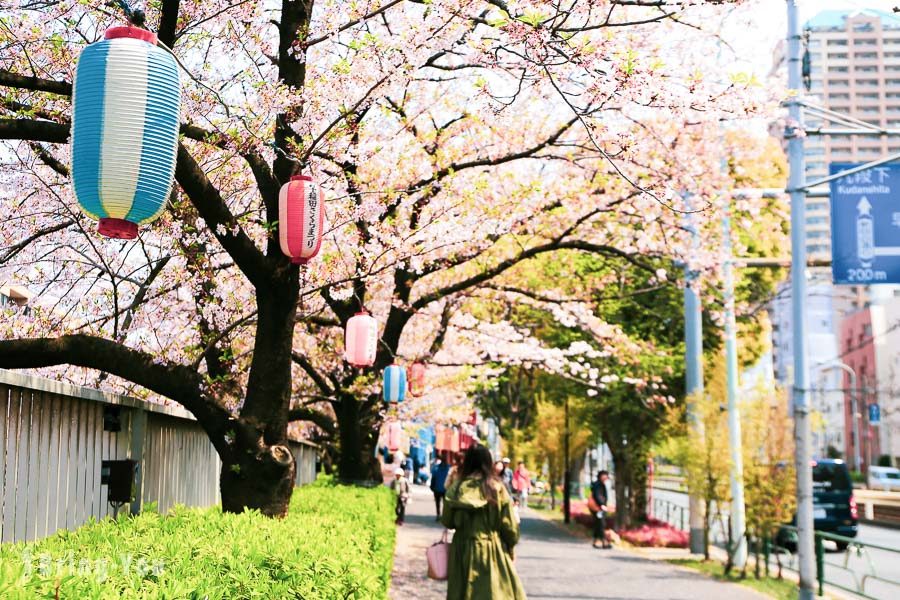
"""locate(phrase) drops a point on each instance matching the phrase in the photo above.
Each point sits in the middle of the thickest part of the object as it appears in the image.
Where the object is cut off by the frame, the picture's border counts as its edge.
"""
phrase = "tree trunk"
(623, 506)
(357, 438)
(638, 487)
(258, 477)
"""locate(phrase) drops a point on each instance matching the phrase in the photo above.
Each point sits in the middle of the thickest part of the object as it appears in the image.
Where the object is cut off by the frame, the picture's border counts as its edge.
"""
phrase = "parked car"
(884, 478)
(834, 507)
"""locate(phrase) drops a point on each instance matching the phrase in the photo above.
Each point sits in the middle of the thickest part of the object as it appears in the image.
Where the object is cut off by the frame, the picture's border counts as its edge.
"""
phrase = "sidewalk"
(554, 564)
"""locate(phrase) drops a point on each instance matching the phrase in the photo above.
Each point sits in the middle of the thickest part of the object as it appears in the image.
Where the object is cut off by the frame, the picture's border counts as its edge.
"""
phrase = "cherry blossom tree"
(456, 139)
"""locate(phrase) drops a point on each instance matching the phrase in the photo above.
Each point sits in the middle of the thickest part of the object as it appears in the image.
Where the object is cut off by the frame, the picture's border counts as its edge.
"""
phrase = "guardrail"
(671, 513)
(856, 572)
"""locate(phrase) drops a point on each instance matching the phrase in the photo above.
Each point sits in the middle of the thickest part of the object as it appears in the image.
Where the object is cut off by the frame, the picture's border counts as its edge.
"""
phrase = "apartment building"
(854, 70)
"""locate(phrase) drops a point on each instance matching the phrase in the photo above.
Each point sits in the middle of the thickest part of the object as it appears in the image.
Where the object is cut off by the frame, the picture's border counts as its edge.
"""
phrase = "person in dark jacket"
(600, 497)
(438, 485)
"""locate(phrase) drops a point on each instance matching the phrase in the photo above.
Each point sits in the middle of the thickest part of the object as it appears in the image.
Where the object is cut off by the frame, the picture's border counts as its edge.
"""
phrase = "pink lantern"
(300, 219)
(417, 379)
(361, 340)
(394, 436)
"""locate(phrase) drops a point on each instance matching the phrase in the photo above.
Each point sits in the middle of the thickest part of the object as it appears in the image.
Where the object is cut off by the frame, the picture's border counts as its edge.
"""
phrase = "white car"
(884, 478)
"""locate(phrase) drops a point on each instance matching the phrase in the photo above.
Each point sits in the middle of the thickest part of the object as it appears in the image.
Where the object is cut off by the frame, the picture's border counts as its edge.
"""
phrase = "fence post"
(138, 436)
(820, 564)
(766, 553)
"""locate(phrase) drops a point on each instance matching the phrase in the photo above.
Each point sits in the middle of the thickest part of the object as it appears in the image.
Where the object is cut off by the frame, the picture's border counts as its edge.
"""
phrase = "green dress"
(481, 566)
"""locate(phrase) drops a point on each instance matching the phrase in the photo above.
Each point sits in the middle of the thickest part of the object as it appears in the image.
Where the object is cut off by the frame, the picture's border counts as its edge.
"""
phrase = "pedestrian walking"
(599, 497)
(507, 475)
(521, 483)
(400, 485)
(478, 506)
(439, 472)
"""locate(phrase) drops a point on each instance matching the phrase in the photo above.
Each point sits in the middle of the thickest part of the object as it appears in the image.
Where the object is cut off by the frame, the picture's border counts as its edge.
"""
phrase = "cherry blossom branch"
(305, 364)
(532, 252)
(223, 225)
(317, 418)
(176, 382)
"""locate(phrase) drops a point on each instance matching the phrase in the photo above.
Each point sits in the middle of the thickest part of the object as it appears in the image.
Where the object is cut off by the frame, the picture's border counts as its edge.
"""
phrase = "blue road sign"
(874, 414)
(865, 225)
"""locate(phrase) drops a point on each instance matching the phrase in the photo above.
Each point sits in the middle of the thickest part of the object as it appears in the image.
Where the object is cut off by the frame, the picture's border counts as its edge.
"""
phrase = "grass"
(336, 542)
(783, 589)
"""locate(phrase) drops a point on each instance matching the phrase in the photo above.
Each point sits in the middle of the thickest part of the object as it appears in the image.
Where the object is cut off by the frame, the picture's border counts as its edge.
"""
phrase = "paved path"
(554, 564)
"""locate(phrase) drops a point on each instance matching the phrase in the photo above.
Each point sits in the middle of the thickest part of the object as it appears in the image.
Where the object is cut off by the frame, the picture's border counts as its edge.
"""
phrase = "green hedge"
(336, 542)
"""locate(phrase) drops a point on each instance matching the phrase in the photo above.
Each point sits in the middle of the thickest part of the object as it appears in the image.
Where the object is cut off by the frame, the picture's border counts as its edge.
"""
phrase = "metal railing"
(671, 513)
(854, 572)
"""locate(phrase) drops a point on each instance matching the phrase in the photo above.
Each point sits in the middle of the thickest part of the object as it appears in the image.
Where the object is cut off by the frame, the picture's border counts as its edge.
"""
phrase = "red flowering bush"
(656, 534)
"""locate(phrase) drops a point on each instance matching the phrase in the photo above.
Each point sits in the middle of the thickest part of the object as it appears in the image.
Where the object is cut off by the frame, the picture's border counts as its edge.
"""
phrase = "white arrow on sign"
(865, 232)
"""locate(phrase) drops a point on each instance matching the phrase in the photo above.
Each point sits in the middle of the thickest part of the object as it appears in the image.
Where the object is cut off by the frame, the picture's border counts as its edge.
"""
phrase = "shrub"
(336, 542)
(656, 534)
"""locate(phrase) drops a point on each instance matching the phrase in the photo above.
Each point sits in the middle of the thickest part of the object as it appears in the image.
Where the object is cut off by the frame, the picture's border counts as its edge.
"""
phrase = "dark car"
(834, 507)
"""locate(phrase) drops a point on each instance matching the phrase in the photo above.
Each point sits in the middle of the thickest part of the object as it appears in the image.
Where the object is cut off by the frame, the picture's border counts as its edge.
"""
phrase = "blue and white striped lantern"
(125, 116)
(394, 383)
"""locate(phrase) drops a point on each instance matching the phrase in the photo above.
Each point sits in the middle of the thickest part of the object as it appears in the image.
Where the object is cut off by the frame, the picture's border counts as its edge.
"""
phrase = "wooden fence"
(52, 442)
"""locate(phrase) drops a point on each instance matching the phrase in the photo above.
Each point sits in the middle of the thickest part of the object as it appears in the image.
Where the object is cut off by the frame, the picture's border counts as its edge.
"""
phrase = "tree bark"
(257, 477)
(357, 439)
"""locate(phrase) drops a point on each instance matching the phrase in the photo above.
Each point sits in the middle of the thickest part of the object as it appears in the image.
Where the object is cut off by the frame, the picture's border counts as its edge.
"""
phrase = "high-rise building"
(854, 60)
(855, 71)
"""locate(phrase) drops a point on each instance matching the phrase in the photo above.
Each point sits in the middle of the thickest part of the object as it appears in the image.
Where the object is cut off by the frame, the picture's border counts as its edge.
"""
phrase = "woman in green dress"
(479, 508)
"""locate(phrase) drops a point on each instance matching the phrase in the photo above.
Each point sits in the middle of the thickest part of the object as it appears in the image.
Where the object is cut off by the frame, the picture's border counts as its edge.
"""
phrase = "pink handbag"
(438, 556)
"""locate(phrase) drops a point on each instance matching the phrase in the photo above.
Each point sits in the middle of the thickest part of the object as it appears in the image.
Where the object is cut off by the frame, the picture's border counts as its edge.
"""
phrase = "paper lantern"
(417, 379)
(361, 340)
(301, 215)
(125, 116)
(454, 440)
(440, 438)
(394, 384)
(394, 436)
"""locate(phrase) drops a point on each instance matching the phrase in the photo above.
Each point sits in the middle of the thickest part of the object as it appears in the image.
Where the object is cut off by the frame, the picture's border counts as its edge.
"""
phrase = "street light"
(836, 364)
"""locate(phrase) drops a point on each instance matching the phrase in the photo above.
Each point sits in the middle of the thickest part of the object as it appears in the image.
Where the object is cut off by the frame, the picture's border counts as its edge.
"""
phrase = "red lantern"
(454, 439)
(301, 213)
(440, 438)
(417, 379)
(361, 340)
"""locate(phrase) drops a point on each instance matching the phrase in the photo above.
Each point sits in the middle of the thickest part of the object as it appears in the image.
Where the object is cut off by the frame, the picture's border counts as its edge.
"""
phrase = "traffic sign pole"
(796, 187)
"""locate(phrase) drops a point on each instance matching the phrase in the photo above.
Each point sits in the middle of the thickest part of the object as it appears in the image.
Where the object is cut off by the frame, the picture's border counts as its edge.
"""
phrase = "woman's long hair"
(477, 463)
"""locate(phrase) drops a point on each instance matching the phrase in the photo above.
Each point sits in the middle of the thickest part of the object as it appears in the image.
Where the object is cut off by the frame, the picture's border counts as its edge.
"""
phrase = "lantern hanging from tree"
(125, 116)
(394, 384)
(417, 379)
(361, 340)
(301, 215)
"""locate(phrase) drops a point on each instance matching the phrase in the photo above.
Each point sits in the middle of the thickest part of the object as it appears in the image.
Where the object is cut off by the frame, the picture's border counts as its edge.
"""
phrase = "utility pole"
(739, 552)
(796, 188)
(567, 476)
(854, 399)
(693, 343)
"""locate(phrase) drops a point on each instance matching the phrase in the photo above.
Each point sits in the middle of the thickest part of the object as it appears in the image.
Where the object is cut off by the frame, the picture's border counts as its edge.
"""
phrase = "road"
(841, 568)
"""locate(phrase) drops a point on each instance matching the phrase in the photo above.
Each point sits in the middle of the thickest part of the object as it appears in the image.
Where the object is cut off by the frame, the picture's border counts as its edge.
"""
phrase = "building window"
(868, 96)
(815, 151)
(892, 81)
(838, 83)
(865, 55)
(865, 42)
(869, 82)
(868, 109)
(867, 69)
(833, 70)
(840, 55)
(832, 42)
(816, 220)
